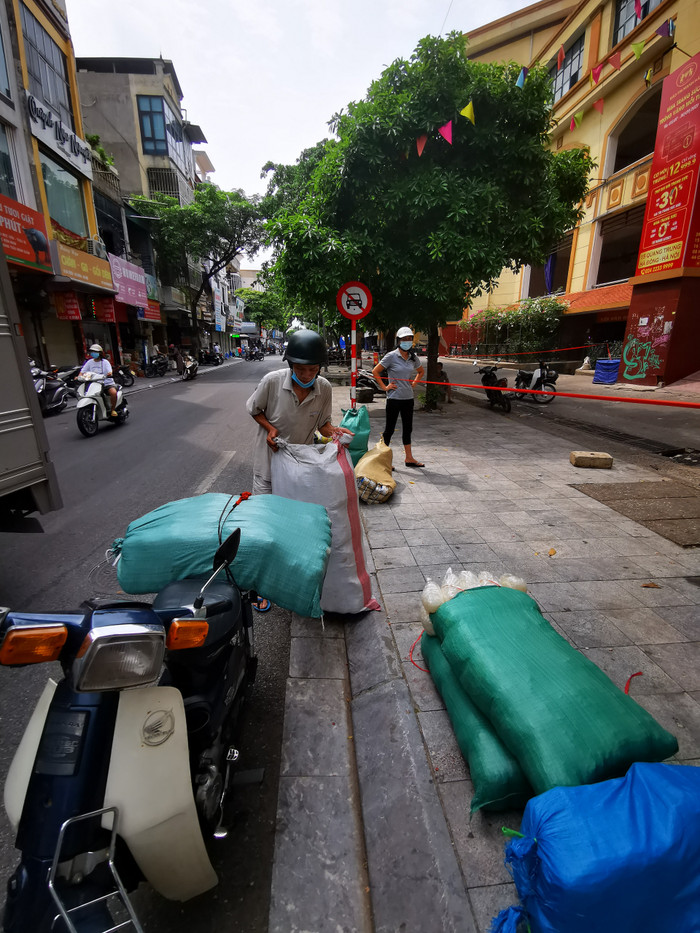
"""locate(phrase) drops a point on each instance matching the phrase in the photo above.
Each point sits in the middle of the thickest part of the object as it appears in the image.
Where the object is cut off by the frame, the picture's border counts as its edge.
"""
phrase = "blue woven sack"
(622, 856)
(283, 554)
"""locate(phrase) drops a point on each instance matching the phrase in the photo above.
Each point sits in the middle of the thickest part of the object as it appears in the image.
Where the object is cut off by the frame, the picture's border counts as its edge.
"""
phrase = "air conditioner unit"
(97, 248)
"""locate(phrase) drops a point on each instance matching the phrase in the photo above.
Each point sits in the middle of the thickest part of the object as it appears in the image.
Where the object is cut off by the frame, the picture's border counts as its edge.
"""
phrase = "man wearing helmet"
(98, 363)
(291, 403)
(404, 371)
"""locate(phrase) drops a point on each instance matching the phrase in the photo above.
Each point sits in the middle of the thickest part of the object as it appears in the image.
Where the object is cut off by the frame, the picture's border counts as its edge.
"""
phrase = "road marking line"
(215, 472)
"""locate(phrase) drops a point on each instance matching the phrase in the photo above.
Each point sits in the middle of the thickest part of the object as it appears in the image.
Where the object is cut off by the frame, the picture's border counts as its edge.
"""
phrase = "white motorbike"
(94, 404)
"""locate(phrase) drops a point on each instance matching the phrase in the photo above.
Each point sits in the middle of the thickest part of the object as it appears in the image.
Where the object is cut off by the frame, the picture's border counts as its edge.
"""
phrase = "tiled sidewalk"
(498, 495)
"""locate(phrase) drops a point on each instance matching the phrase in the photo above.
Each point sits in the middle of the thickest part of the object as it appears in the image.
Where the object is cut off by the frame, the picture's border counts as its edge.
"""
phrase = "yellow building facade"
(608, 61)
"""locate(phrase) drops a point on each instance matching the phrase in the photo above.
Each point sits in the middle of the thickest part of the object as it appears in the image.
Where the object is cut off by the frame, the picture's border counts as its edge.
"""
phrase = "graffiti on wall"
(639, 358)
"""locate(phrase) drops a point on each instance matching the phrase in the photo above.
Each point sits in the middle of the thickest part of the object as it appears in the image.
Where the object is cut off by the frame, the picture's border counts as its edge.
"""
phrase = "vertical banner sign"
(671, 231)
(354, 301)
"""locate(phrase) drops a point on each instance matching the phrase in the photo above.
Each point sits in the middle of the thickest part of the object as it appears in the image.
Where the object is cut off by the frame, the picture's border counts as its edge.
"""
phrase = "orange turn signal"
(33, 645)
(186, 633)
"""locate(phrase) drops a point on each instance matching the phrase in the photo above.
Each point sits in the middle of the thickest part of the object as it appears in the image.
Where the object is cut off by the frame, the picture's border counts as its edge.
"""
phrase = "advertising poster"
(23, 235)
(66, 305)
(671, 225)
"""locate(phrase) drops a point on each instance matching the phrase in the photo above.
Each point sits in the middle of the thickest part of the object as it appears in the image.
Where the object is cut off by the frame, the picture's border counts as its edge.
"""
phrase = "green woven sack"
(499, 783)
(283, 552)
(357, 421)
(560, 715)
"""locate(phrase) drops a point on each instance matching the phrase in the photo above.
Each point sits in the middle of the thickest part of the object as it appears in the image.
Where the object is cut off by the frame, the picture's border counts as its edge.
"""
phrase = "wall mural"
(638, 357)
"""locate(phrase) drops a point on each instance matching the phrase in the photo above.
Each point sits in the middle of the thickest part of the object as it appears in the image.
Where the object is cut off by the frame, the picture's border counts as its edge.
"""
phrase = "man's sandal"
(262, 604)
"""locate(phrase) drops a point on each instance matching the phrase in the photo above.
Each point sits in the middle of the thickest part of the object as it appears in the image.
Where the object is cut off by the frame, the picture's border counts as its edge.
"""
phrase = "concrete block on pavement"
(591, 459)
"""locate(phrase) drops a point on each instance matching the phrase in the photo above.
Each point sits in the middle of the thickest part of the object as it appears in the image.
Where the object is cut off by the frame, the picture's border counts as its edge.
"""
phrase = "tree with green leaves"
(264, 308)
(426, 231)
(213, 230)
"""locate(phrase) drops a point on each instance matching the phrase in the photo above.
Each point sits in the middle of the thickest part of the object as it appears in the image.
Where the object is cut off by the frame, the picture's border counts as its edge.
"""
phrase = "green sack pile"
(555, 712)
(357, 421)
(284, 549)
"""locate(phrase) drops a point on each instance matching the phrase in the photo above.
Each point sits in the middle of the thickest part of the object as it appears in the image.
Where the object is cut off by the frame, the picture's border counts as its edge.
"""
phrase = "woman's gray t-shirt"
(400, 369)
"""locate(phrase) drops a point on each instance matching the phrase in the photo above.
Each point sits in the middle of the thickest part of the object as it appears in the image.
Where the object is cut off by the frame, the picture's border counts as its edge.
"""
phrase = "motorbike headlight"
(118, 656)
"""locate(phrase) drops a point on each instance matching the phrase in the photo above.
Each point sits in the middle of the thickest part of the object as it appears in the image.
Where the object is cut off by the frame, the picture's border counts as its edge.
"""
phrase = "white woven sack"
(323, 474)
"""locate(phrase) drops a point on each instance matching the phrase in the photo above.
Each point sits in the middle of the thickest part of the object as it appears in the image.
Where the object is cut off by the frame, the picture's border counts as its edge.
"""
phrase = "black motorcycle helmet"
(307, 348)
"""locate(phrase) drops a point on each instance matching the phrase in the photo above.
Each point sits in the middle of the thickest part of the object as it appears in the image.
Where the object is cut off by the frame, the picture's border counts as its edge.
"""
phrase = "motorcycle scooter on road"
(542, 379)
(189, 367)
(488, 380)
(124, 767)
(94, 405)
(52, 392)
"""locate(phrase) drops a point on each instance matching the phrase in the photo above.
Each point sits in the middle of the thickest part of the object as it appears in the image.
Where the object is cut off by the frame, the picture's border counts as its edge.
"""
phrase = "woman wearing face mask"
(98, 363)
(291, 403)
(403, 370)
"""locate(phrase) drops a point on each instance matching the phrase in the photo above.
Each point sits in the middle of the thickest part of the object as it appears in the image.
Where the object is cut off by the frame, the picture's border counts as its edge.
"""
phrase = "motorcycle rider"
(98, 363)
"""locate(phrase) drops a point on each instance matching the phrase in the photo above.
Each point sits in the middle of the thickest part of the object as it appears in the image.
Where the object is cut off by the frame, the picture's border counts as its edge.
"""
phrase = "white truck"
(27, 476)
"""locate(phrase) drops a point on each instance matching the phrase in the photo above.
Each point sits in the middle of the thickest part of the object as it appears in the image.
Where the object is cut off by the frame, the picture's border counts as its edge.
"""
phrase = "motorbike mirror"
(228, 550)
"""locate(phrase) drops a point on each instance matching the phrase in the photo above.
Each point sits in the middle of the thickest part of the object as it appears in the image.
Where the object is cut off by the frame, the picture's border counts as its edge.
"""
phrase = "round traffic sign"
(354, 300)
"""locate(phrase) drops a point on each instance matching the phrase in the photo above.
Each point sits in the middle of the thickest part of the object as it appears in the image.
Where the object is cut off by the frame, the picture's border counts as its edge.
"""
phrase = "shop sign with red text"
(67, 307)
(671, 231)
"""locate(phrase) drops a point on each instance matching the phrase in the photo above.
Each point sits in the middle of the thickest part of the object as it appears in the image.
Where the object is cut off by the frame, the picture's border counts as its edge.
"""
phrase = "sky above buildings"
(263, 77)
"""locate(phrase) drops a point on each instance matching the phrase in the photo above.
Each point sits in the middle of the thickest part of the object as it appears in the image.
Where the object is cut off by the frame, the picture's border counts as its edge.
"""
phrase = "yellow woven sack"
(373, 472)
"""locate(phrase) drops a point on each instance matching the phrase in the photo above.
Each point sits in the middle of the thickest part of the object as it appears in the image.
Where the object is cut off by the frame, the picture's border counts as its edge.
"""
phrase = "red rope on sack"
(410, 656)
(242, 498)
(629, 680)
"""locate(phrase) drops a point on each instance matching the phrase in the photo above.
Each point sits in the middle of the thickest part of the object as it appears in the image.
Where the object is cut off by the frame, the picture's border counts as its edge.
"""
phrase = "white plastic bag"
(426, 621)
(323, 473)
(431, 596)
(450, 584)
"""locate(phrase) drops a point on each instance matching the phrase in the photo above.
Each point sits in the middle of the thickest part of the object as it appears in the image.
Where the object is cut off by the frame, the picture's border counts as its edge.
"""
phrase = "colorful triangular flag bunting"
(420, 144)
(446, 131)
(576, 120)
(664, 29)
(598, 104)
(638, 8)
(521, 77)
(638, 48)
(468, 111)
(560, 58)
(615, 60)
(595, 73)
(648, 74)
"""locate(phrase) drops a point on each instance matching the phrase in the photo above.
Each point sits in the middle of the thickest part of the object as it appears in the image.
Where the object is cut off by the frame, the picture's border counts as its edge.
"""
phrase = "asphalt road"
(181, 439)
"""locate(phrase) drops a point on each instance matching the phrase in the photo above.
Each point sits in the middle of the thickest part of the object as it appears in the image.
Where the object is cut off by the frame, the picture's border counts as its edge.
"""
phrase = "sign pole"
(354, 301)
(353, 371)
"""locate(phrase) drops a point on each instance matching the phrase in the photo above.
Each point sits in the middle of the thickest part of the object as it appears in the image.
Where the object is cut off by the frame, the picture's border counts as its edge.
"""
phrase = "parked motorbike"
(69, 377)
(542, 379)
(490, 379)
(189, 364)
(123, 376)
(208, 357)
(366, 380)
(112, 785)
(52, 392)
(156, 366)
(94, 405)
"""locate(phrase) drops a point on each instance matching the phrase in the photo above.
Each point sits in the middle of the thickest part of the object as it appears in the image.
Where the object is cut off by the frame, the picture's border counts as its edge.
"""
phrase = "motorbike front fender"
(23, 762)
(149, 781)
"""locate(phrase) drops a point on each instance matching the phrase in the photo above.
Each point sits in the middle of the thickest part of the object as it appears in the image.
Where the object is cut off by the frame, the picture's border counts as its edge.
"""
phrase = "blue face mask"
(406, 344)
(304, 385)
(95, 356)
